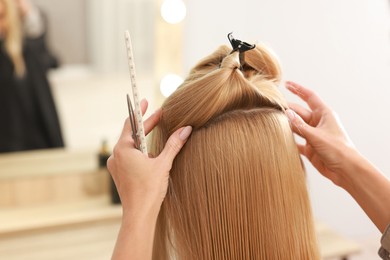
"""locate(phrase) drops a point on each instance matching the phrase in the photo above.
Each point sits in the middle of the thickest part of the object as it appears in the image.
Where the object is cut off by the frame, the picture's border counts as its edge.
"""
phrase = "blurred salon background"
(66, 86)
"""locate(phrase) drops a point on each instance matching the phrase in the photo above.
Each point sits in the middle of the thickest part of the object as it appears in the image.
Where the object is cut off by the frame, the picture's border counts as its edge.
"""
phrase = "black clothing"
(28, 117)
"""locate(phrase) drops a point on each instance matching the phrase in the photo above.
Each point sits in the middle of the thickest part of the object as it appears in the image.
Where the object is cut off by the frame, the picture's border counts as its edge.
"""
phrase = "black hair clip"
(240, 46)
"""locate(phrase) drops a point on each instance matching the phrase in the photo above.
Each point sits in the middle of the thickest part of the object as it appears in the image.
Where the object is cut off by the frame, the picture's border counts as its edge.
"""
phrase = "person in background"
(27, 109)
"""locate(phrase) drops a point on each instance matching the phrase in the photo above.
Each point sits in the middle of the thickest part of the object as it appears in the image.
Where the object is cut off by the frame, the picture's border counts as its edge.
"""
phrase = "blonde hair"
(237, 189)
(14, 37)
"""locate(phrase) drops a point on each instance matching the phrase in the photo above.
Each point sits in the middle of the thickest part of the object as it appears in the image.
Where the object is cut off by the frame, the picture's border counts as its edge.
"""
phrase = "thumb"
(174, 144)
(298, 125)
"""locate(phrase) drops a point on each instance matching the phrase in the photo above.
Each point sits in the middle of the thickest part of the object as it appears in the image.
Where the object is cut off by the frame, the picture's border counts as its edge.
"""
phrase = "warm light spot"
(173, 11)
(169, 84)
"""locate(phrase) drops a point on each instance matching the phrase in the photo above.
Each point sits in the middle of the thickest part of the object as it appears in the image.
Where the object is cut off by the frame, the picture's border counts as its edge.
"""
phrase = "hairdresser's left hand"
(328, 146)
(142, 181)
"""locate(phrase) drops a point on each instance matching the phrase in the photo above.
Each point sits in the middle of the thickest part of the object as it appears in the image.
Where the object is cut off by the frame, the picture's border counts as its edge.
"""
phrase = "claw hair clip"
(240, 46)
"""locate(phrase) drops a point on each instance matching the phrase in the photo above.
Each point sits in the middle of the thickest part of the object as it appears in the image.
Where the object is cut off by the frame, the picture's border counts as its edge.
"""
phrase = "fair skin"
(142, 183)
(332, 153)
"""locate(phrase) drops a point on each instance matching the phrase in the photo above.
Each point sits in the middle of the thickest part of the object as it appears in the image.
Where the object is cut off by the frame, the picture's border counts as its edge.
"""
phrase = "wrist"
(145, 211)
(352, 164)
(138, 223)
(138, 202)
(355, 172)
(136, 236)
(370, 188)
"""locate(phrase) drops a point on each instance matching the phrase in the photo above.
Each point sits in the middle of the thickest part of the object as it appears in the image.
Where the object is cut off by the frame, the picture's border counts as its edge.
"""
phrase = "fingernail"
(185, 133)
(290, 114)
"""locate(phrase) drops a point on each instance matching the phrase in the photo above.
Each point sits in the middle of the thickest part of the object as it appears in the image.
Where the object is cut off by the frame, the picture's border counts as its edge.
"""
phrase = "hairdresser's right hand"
(142, 181)
(328, 146)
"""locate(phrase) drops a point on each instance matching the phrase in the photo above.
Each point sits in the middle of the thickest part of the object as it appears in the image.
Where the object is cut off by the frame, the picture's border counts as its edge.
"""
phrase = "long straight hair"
(237, 189)
(13, 38)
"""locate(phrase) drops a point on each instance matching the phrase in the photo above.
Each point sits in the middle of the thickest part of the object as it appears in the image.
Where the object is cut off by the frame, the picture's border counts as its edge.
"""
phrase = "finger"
(304, 113)
(299, 126)
(174, 145)
(144, 105)
(152, 121)
(301, 149)
(307, 95)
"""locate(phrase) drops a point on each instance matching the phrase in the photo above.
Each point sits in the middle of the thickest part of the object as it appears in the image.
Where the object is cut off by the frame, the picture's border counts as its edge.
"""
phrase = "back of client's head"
(237, 189)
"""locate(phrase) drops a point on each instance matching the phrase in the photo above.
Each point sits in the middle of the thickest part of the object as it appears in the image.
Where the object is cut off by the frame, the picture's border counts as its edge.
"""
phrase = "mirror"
(89, 88)
(91, 84)
(94, 33)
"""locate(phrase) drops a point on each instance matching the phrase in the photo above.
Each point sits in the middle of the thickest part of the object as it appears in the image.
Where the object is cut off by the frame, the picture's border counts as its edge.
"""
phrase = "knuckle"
(116, 151)
(127, 121)
(111, 164)
(328, 112)
(334, 114)
(296, 121)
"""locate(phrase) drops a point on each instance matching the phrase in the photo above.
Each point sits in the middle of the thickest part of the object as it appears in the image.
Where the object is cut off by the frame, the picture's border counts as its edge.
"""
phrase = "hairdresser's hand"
(328, 146)
(142, 181)
(142, 184)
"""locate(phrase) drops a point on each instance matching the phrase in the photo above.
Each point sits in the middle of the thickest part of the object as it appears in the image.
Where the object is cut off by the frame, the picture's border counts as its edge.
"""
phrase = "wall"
(92, 31)
(341, 49)
(107, 21)
(67, 35)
